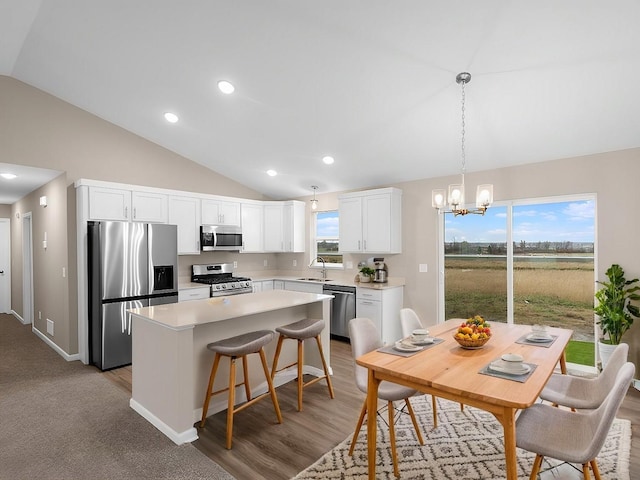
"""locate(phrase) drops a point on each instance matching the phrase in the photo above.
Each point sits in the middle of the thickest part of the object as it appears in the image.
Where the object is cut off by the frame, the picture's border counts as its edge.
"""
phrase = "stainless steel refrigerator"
(131, 265)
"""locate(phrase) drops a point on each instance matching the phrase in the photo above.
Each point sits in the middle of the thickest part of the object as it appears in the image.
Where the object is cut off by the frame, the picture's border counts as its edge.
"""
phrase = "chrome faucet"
(324, 267)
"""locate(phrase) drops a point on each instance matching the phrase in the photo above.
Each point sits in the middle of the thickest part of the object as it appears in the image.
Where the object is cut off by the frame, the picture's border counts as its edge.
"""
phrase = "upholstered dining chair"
(409, 321)
(574, 437)
(364, 339)
(585, 393)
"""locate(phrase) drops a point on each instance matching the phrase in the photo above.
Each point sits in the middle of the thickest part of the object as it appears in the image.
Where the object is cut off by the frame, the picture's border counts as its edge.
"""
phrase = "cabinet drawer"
(193, 294)
(368, 294)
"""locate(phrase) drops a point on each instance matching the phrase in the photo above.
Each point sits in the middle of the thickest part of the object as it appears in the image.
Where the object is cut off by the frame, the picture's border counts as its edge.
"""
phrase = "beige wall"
(5, 211)
(50, 287)
(40, 130)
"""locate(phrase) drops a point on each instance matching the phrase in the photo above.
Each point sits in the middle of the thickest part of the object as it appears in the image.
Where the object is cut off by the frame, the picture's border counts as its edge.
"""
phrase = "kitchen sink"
(314, 279)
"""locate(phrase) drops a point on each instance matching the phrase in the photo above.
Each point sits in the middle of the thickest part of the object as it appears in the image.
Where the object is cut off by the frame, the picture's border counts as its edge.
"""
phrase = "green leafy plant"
(367, 271)
(614, 306)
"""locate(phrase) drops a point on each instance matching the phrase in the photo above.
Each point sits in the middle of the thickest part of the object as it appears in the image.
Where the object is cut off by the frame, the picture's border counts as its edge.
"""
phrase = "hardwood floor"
(264, 449)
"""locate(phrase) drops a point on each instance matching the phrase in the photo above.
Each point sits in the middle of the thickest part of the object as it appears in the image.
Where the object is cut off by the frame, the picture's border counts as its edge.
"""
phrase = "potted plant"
(614, 308)
(366, 273)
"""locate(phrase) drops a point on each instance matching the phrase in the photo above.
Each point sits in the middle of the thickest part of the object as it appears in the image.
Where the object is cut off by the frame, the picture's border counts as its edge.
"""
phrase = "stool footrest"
(315, 380)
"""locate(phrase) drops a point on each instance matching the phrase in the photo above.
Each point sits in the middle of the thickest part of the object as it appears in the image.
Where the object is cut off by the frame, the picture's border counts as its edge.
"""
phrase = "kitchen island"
(171, 363)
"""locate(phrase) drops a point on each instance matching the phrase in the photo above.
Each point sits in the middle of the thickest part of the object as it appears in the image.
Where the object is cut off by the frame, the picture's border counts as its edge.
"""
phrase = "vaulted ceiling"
(369, 82)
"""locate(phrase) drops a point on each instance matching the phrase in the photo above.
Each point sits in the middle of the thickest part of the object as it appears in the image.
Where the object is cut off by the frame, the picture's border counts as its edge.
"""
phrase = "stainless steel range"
(220, 277)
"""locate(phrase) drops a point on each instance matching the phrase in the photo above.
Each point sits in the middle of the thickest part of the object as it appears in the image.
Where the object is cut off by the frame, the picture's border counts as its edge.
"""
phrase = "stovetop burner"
(220, 277)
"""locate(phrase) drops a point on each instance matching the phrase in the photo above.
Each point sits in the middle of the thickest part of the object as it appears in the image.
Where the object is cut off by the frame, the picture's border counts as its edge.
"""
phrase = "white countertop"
(184, 315)
(393, 282)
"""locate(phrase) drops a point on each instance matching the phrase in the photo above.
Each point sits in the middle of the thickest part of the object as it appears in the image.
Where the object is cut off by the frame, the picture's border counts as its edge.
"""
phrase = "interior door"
(5, 265)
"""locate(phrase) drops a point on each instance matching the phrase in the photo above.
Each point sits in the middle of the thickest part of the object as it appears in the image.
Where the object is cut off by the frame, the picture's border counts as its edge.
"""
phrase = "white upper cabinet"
(284, 224)
(149, 207)
(273, 227)
(252, 227)
(371, 221)
(294, 226)
(127, 205)
(220, 212)
(109, 204)
(185, 213)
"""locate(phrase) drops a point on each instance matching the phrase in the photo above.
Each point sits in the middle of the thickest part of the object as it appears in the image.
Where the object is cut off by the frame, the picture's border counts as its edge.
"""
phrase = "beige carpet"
(64, 420)
(465, 446)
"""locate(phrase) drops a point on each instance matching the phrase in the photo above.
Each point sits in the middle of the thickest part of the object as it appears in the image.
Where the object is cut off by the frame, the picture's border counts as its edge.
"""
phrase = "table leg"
(508, 421)
(372, 408)
(563, 363)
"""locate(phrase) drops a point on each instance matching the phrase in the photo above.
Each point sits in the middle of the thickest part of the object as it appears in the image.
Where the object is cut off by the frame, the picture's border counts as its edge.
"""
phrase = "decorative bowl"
(473, 333)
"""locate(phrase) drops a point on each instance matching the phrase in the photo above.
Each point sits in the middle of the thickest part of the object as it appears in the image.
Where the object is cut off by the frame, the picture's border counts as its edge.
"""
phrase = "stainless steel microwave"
(220, 237)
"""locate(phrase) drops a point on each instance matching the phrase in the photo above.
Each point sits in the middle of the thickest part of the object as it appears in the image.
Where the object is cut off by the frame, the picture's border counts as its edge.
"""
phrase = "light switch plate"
(422, 267)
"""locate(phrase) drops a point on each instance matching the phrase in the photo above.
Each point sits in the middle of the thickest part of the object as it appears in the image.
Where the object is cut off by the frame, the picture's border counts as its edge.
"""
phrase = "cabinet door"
(185, 213)
(350, 219)
(308, 287)
(294, 226)
(149, 207)
(216, 212)
(230, 213)
(376, 223)
(193, 294)
(109, 204)
(370, 309)
(278, 285)
(273, 224)
(252, 231)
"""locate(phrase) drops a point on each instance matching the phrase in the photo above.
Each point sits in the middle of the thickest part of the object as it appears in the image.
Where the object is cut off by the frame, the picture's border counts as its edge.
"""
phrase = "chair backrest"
(409, 321)
(604, 415)
(365, 337)
(605, 381)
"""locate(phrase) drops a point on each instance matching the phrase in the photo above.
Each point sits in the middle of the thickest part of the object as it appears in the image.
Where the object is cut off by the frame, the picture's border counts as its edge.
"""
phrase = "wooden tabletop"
(452, 372)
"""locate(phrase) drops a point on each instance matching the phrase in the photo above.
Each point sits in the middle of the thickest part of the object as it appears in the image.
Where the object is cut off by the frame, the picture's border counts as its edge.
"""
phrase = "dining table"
(450, 371)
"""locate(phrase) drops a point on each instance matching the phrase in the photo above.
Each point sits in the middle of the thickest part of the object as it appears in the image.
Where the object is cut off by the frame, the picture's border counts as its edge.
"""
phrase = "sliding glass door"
(527, 262)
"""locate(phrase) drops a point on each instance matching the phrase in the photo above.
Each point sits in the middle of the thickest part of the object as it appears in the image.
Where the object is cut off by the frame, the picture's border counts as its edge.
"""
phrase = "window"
(325, 241)
(527, 262)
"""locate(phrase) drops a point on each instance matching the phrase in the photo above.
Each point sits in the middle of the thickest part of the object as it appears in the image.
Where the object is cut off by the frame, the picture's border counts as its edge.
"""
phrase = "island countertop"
(183, 315)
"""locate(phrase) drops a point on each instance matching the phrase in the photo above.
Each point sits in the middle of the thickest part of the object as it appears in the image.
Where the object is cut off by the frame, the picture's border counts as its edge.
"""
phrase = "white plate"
(424, 341)
(498, 368)
(403, 347)
(532, 337)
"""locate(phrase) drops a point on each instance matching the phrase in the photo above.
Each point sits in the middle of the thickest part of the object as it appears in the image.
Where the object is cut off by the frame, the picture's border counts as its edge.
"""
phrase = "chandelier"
(455, 197)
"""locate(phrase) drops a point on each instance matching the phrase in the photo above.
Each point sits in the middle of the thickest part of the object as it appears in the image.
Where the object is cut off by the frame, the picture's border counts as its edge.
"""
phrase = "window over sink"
(325, 241)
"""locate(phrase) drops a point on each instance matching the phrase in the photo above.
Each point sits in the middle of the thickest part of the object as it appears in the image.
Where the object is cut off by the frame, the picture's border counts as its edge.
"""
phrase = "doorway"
(27, 269)
(5, 265)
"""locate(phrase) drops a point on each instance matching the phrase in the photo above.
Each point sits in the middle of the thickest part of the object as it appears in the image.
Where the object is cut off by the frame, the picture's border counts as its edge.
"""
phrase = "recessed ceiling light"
(272, 173)
(8, 176)
(171, 117)
(328, 160)
(226, 87)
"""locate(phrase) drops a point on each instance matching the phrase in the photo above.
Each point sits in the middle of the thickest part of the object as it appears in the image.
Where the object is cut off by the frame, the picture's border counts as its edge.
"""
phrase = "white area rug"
(466, 446)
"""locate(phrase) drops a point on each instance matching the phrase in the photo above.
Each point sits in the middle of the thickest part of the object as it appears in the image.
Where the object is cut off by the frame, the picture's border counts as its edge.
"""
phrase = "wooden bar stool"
(239, 347)
(300, 331)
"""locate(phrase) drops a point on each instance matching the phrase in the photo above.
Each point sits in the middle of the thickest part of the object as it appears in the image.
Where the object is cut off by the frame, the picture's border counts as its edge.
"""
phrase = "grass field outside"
(554, 292)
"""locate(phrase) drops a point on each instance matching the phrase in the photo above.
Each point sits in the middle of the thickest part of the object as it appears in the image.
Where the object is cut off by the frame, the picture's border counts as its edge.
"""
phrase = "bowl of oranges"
(473, 333)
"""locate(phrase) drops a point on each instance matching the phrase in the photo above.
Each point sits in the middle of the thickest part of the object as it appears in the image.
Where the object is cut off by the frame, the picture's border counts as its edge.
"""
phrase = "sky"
(327, 224)
(555, 222)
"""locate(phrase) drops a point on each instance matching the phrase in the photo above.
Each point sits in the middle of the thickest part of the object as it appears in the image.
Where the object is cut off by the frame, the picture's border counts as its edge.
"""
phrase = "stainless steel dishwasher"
(343, 309)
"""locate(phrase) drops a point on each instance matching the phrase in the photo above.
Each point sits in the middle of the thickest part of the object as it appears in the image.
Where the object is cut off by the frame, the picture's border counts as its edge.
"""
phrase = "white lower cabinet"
(278, 284)
(193, 294)
(383, 308)
(309, 287)
(262, 285)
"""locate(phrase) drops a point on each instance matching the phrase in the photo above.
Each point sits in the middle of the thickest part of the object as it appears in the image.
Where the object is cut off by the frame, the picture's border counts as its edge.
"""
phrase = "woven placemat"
(525, 341)
(486, 370)
(391, 349)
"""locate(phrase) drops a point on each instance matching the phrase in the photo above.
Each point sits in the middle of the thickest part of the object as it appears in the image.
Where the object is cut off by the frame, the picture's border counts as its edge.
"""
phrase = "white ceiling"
(371, 82)
(27, 180)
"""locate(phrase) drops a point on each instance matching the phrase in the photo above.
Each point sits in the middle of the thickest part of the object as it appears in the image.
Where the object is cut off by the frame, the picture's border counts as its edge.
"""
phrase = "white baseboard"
(636, 384)
(56, 348)
(20, 319)
(189, 435)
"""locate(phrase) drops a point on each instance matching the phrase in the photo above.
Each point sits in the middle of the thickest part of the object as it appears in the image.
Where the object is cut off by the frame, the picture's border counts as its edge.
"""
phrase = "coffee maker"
(377, 263)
